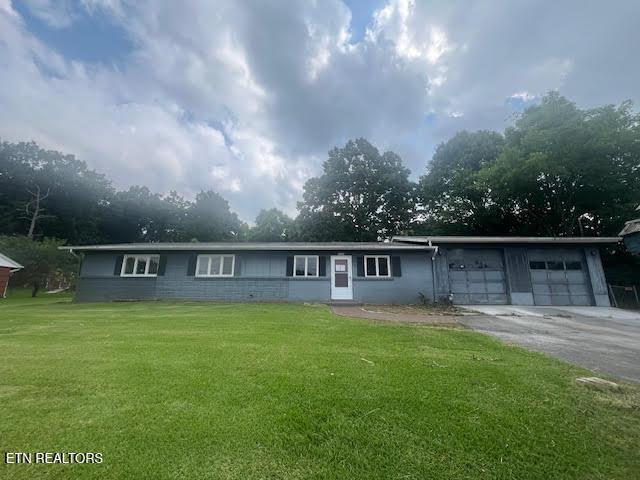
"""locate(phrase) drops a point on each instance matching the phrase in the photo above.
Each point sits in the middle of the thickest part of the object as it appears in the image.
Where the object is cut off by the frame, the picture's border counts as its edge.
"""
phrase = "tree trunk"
(34, 291)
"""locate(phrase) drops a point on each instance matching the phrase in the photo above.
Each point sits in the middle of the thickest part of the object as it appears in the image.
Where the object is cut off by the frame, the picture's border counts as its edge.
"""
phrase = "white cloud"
(247, 99)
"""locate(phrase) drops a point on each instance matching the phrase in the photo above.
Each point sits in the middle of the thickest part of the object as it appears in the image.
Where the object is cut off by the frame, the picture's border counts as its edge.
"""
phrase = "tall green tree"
(362, 195)
(562, 167)
(452, 199)
(209, 219)
(559, 171)
(272, 225)
(75, 200)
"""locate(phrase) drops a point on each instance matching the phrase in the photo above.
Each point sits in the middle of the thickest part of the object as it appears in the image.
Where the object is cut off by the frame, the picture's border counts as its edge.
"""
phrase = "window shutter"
(191, 267)
(117, 269)
(322, 266)
(396, 267)
(237, 266)
(360, 266)
(162, 265)
(289, 266)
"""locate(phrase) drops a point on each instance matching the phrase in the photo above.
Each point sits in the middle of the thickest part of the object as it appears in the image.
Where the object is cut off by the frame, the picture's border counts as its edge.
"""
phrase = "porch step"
(352, 303)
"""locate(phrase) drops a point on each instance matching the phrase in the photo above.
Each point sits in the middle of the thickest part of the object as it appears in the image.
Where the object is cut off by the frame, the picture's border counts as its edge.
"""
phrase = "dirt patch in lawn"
(392, 313)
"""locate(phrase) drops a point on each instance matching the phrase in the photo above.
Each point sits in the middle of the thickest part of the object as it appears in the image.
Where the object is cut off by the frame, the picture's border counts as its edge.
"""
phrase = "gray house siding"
(471, 273)
(259, 276)
(416, 279)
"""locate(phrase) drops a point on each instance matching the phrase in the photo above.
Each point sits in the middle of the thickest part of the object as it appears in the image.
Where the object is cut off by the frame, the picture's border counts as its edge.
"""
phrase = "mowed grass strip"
(239, 391)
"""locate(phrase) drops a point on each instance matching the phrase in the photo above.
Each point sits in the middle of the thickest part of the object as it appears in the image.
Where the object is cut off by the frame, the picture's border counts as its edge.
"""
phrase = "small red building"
(6, 267)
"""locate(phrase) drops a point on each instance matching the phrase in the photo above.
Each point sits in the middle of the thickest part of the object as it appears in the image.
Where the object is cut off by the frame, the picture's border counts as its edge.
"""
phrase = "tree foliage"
(556, 165)
(362, 195)
(82, 206)
(453, 200)
(42, 261)
(76, 194)
(272, 225)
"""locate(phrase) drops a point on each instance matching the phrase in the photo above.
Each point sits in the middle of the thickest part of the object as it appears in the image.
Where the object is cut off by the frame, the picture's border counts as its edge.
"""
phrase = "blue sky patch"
(361, 16)
(91, 38)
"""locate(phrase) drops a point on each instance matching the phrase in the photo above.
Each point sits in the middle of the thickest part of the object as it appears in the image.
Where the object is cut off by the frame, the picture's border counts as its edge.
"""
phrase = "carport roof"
(435, 240)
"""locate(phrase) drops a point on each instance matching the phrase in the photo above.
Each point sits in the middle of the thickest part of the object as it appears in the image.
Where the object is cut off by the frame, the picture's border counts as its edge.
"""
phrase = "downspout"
(81, 258)
(434, 253)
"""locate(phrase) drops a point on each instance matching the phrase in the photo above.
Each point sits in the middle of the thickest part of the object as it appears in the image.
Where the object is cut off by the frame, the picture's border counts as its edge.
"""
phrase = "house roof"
(632, 226)
(431, 240)
(272, 246)
(7, 262)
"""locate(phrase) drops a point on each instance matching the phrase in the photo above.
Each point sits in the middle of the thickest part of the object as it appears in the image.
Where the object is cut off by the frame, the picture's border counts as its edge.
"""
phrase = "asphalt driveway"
(602, 339)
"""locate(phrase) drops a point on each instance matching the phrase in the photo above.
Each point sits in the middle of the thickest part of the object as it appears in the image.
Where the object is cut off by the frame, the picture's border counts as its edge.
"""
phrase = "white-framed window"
(306, 265)
(215, 265)
(140, 266)
(377, 266)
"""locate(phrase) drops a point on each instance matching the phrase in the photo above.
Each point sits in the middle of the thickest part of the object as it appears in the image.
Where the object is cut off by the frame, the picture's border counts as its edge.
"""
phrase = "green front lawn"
(185, 390)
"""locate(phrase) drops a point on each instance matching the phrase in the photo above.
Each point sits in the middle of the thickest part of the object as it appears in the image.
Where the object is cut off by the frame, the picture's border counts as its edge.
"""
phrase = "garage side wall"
(596, 275)
(518, 278)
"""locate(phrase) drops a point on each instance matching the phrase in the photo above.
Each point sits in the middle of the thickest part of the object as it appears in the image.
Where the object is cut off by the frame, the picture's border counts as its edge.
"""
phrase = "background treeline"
(558, 171)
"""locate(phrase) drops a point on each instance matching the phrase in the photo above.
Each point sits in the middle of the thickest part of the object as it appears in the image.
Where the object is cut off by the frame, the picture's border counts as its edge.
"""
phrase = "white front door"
(341, 287)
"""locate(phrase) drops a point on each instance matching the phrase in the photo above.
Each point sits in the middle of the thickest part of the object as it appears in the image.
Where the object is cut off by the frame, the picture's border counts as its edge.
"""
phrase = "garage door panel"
(541, 288)
(543, 299)
(476, 287)
(558, 277)
(462, 298)
(476, 275)
(560, 300)
(497, 299)
(494, 276)
(559, 289)
(495, 287)
(538, 276)
(459, 287)
(458, 276)
(555, 276)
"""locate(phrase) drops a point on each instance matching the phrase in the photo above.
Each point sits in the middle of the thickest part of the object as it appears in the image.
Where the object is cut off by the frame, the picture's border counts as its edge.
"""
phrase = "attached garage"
(559, 277)
(552, 271)
(477, 276)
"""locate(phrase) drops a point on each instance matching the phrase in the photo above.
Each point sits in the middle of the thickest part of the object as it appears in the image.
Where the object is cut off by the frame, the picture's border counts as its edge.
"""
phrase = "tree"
(559, 167)
(272, 225)
(360, 196)
(41, 260)
(452, 200)
(75, 203)
(209, 219)
(561, 164)
(34, 209)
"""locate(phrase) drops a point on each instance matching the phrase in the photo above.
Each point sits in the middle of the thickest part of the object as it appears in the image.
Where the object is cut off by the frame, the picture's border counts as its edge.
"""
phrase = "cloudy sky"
(247, 97)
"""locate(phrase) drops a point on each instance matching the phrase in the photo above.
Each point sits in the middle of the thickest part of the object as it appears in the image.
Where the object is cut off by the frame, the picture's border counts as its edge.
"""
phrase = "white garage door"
(476, 276)
(559, 277)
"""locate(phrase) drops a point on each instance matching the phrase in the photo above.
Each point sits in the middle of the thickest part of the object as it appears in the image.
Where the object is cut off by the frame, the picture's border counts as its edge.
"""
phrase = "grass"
(185, 390)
